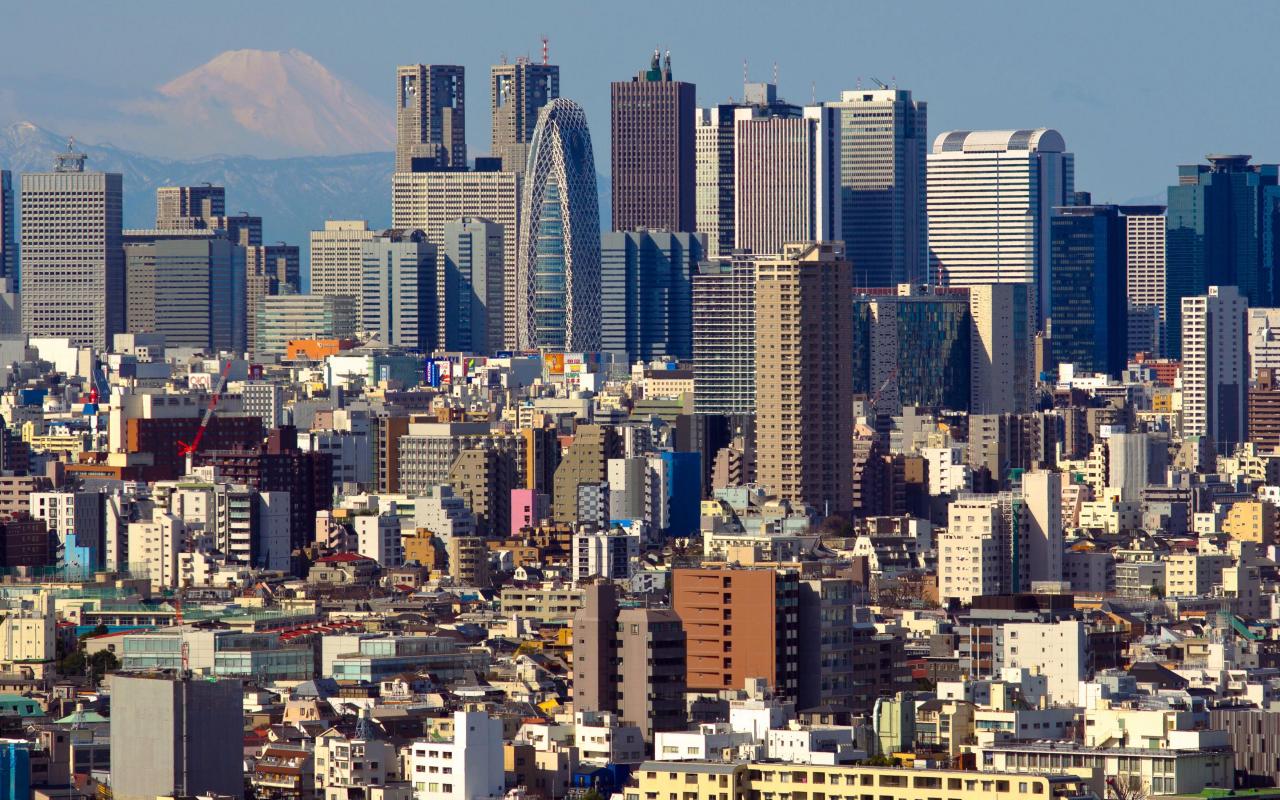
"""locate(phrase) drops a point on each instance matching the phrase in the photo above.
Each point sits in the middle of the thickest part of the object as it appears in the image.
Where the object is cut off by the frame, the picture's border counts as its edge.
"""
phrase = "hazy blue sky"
(1134, 87)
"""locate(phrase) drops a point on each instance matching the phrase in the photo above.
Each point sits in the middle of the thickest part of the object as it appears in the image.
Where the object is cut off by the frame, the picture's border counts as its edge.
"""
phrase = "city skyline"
(994, 88)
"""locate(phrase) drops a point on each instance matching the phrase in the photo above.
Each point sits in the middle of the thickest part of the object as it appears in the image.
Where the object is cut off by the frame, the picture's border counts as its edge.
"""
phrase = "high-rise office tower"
(430, 118)
(911, 348)
(243, 229)
(1220, 231)
(990, 197)
(883, 151)
(519, 91)
(1215, 367)
(175, 735)
(1088, 308)
(471, 318)
(269, 270)
(429, 201)
(1001, 367)
(337, 260)
(714, 161)
(724, 336)
(786, 179)
(187, 284)
(1144, 281)
(653, 154)
(188, 207)
(647, 294)
(73, 281)
(399, 303)
(8, 247)
(804, 375)
(558, 268)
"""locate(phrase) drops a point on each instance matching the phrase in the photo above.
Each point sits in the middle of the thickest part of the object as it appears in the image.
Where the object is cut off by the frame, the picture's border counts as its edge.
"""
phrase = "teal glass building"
(1220, 232)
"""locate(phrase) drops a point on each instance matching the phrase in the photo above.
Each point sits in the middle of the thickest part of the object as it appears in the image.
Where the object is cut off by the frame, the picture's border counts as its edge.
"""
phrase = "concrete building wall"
(175, 737)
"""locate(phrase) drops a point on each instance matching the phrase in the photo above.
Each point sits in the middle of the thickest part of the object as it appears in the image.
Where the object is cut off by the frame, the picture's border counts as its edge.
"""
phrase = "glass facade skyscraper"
(1088, 303)
(647, 293)
(1219, 233)
(883, 150)
(912, 348)
(558, 294)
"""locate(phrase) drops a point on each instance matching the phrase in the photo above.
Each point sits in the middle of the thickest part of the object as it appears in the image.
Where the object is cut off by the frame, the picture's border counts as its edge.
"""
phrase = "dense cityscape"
(807, 446)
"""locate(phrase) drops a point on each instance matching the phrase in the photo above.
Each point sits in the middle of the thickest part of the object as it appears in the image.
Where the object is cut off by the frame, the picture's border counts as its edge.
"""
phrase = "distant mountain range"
(292, 195)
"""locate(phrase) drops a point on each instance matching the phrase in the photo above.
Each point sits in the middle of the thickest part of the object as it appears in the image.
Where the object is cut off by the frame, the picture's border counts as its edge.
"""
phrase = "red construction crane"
(189, 449)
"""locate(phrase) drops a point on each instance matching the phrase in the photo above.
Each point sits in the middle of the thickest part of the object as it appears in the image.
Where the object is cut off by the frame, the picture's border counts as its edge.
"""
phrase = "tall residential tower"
(804, 375)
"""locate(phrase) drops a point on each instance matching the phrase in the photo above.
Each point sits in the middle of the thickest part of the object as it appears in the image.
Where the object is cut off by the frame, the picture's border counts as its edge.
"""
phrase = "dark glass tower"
(1088, 309)
(1218, 233)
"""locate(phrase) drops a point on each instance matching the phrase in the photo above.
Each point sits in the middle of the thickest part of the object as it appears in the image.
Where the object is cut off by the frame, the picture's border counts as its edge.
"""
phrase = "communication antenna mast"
(745, 79)
(545, 61)
(775, 73)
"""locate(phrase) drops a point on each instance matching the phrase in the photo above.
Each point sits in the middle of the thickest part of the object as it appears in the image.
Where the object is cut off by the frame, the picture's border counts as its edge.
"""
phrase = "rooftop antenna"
(894, 80)
(745, 79)
(775, 73)
(503, 57)
(545, 42)
(813, 92)
(858, 85)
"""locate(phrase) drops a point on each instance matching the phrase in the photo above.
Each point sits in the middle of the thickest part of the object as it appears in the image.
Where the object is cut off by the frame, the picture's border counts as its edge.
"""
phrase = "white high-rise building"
(1144, 270)
(1002, 362)
(1215, 369)
(400, 290)
(724, 336)
(73, 282)
(713, 142)
(1264, 340)
(471, 310)
(971, 551)
(991, 195)
(1042, 498)
(883, 151)
(467, 768)
(786, 179)
(337, 262)
(430, 201)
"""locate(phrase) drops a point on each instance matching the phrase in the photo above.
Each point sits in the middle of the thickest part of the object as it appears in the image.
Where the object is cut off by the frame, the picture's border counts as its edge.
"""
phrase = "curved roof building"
(558, 273)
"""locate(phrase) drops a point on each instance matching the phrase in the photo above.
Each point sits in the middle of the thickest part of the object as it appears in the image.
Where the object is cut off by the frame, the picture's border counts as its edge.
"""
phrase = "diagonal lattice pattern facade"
(558, 273)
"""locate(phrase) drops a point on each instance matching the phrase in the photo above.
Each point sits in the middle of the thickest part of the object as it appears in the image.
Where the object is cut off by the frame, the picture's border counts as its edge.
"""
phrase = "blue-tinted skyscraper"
(682, 486)
(15, 769)
(1218, 233)
(558, 279)
(1088, 310)
(911, 347)
(646, 281)
(8, 250)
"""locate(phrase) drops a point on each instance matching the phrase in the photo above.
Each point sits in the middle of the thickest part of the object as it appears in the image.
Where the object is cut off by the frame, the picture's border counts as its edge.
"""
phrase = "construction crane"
(189, 449)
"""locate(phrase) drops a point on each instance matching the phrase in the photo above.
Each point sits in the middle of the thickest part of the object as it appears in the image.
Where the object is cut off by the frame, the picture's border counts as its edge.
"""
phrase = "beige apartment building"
(337, 260)
(804, 375)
